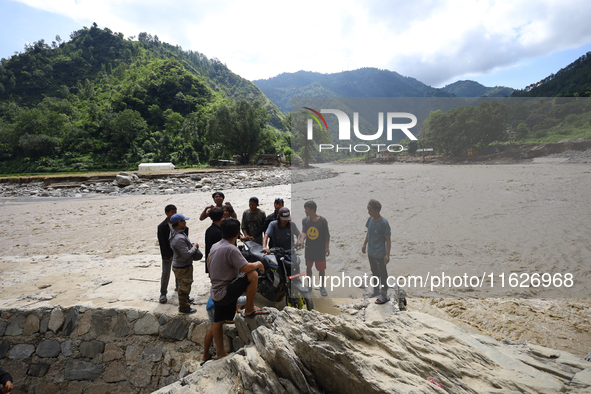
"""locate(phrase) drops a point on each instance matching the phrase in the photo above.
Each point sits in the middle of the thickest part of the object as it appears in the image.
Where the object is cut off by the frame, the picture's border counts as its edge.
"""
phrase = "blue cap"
(177, 217)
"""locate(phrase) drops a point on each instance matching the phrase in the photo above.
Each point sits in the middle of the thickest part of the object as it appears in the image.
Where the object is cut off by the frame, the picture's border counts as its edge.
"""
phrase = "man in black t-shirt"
(317, 239)
(278, 204)
(214, 233)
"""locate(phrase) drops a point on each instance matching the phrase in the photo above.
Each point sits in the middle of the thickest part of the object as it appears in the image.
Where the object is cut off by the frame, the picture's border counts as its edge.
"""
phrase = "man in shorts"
(226, 264)
(316, 236)
(208, 340)
(378, 243)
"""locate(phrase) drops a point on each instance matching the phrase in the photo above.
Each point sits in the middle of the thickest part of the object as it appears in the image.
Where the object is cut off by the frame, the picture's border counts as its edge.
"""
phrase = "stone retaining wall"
(81, 350)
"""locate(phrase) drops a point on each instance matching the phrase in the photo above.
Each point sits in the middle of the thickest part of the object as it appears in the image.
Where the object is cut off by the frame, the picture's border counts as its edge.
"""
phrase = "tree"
(461, 128)
(239, 128)
(413, 146)
(296, 124)
(492, 119)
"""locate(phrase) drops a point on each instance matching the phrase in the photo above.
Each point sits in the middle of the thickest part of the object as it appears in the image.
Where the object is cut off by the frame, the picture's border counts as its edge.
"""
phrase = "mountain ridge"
(364, 82)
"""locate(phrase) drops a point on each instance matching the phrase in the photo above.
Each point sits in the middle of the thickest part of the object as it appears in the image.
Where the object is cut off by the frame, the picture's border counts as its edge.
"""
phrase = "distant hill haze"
(474, 89)
(364, 82)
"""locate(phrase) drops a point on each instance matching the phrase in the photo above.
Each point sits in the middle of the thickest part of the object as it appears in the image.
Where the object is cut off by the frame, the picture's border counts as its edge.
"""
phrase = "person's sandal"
(382, 300)
(163, 299)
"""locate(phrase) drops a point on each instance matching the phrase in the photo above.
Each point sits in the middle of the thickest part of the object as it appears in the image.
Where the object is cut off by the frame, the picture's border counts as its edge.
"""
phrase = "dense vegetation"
(572, 81)
(365, 82)
(455, 131)
(474, 89)
(100, 101)
(536, 120)
(562, 110)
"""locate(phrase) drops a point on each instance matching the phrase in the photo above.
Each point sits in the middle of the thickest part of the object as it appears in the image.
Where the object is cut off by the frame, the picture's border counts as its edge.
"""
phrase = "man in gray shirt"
(226, 264)
(182, 261)
(378, 244)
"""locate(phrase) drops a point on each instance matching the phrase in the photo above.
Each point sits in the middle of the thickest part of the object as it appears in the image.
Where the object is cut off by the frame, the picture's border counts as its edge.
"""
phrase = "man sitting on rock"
(231, 275)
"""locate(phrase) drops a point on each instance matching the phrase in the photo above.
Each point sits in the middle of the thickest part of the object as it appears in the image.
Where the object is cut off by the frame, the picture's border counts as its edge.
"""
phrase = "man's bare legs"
(218, 335)
(207, 343)
(251, 290)
(218, 327)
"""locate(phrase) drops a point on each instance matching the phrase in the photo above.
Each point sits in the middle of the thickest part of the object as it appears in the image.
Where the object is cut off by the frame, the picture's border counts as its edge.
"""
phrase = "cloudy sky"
(506, 43)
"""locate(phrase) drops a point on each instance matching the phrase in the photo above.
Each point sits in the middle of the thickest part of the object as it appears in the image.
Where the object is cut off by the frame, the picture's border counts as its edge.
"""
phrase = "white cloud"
(433, 41)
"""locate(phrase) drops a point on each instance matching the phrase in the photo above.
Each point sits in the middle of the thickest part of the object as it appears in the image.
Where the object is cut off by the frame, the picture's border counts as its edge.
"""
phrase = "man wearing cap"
(252, 219)
(281, 232)
(164, 229)
(271, 217)
(182, 260)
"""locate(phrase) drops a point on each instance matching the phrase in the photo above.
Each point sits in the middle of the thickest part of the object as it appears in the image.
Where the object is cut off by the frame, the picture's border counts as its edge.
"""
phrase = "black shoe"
(190, 310)
(191, 300)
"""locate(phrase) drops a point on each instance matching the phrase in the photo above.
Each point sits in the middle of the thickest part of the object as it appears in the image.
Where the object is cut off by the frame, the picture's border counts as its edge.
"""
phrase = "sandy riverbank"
(475, 219)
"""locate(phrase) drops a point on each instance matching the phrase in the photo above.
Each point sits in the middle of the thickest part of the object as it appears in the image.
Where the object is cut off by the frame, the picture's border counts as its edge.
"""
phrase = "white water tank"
(156, 167)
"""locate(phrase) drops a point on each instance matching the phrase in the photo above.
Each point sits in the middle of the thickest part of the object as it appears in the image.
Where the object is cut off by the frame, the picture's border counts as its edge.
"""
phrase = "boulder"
(123, 180)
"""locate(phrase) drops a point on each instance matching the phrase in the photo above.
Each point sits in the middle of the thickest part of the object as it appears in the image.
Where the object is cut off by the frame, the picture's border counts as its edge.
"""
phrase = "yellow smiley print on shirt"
(312, 233)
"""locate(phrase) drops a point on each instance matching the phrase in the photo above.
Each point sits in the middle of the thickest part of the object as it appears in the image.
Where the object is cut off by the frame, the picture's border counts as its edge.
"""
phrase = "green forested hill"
(102, 101)
(364, 82)
(474, 89)
(572, 81)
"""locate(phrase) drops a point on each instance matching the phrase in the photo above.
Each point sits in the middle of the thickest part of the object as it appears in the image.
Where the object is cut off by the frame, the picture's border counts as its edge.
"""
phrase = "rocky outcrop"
(296, 351)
